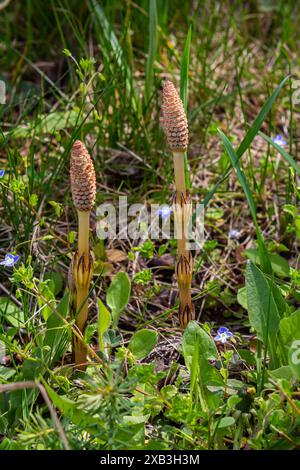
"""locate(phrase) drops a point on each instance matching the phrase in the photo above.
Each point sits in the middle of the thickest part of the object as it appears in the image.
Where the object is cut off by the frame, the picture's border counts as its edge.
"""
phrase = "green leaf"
(262, 309)
(294, 358)
(242, 297)
(142, 343)
(290, 328)
(226, 422)
(117, 296)
(195, 337)
(57, 281)
(104, 321)
(279, 265)
(46, 124)
(284, 372)
(11, 313)
(47, 293)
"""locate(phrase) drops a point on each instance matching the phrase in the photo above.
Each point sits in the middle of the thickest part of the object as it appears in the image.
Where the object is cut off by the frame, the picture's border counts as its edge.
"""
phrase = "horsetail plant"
(175, 125)
(83, 187)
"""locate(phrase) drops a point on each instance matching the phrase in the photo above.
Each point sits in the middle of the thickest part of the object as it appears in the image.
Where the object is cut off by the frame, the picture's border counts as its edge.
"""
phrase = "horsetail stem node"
(83, 187)
(175, 125)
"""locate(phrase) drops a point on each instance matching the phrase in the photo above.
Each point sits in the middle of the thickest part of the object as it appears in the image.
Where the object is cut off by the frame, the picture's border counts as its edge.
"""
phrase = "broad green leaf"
(57, 281)
(138, 419)
(262, 309)
(226, 422)
(212, 383)
(104, 321)
(279, 265)
(242, 297)
(290, 328)
(11, 313)
(195, 337)
(294, 357)
(46, 124)
(142, 343)
(198, 347)
(284, 372)
(118, 293)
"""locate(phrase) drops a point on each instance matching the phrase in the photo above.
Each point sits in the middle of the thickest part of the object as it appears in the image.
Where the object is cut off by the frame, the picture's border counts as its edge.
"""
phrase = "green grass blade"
(246, 142)
(152, 48)
(288, 158)
(184, 70)
(184, 74)
(263, 254)
(105, 31)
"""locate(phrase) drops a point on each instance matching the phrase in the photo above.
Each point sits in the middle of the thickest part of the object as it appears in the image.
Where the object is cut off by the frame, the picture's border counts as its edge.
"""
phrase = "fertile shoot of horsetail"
(175, 125)
(83, 187)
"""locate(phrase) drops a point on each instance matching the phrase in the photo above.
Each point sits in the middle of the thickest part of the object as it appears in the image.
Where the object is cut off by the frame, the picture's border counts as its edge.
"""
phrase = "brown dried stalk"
(175, 125)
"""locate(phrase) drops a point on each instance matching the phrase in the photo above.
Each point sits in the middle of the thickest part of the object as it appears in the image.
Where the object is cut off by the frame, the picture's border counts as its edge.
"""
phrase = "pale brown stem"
(80, 351)
(82, 307)
(83, 232)
(184, 290)
(178, 159)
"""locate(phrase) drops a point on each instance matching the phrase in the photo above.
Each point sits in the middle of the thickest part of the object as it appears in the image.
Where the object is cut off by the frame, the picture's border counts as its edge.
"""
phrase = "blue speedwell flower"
(2, 173)
(9, 260)
(279, 140)
(223, 334)
(233, 233)
(164, 212)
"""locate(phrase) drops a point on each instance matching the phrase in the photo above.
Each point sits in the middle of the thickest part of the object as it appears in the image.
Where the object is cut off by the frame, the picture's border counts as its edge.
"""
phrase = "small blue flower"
(2, 173)
(9, 260)
(233, 233)
(279, 140)
(223, 334)
(164, 211)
